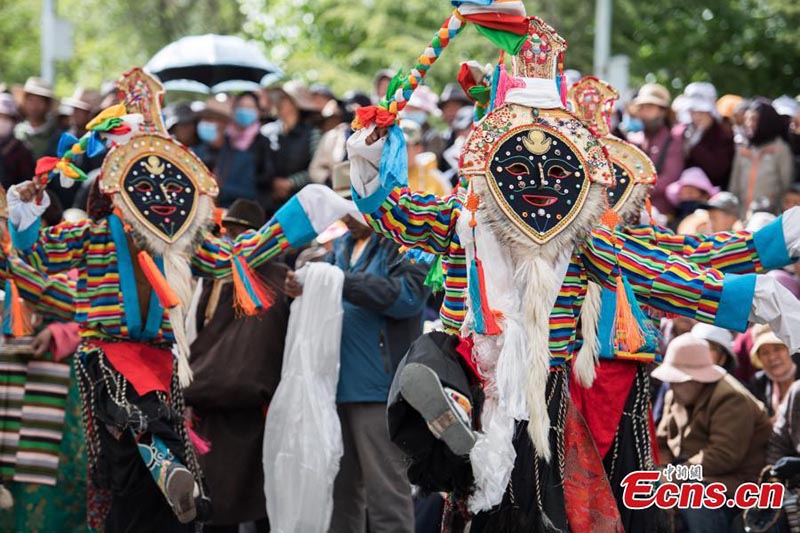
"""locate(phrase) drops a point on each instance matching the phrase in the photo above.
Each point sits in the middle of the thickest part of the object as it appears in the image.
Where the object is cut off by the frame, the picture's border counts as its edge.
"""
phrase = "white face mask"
(6, 125)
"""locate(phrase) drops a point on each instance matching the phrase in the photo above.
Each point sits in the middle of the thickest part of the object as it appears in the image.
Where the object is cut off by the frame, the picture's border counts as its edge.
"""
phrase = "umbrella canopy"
(212, 63)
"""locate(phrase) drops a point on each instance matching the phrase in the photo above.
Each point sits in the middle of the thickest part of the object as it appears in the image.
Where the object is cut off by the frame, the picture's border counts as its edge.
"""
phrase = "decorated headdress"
(593, 101)
(162, 192)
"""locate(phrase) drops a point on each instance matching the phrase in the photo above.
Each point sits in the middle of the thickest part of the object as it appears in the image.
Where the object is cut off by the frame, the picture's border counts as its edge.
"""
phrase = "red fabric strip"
(498, 21)
(147, 368)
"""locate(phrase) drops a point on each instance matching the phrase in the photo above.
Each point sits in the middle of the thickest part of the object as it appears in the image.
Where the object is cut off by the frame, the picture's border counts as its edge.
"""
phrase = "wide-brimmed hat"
(425, 99)
(214, 108)
(178, 114)
(786, 106)
(688, 358)
(723, 201)
(39, 87)
(7, 105)
(653, 93)
(762, 335)
(300, 95)
(691, 177)
(728, 103)
(453, 93)
(721, 336)
(84, 99)
(245, 213)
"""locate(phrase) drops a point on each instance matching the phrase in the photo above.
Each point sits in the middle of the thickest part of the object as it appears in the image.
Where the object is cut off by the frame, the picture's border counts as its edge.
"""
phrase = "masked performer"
(135, 270)
(617, 406)
(517, 265)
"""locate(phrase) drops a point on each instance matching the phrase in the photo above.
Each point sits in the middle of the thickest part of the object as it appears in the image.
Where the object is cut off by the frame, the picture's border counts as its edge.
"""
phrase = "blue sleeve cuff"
(738, 292)
(770, 245)
(370, 204)
(295, 223)
(24, 240)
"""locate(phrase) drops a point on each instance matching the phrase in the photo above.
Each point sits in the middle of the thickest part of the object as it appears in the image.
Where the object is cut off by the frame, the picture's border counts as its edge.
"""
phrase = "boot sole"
(421, 388)
(180, 492)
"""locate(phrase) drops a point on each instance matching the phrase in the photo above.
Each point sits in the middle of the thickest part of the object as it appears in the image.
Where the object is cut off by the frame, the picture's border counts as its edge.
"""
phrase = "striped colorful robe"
(659, 278)
(105, 303)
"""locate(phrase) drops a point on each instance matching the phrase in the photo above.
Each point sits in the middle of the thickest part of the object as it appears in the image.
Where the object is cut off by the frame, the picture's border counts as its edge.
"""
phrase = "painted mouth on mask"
(163, 210)
(537, 200)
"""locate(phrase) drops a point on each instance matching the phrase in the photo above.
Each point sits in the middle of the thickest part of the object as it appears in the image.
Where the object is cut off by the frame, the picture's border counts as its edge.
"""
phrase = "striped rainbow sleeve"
(52, 296)
(412, 219)
(668, 282)
(212, 258)
(54, 249)
(727, 251)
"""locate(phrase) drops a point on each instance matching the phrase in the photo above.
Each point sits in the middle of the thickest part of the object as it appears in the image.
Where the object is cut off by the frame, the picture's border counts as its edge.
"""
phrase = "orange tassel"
(629, 336)
(166, 295)
(125, 225)
(218, 213)
(20, 320)
(649, 207)
(251, 296)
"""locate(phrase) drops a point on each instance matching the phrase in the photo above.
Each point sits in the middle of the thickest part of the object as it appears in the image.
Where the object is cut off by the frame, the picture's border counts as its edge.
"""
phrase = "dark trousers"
(372, 477)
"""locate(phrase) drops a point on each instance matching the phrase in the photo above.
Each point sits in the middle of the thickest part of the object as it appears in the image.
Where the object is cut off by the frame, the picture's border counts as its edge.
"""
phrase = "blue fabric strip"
(24, 240)
(736, 300)
(393, 170)
(770, 244)
(295, 223)
(370, 204)
(127, 279)
(155, 311)
(7, 308)
(605, 326)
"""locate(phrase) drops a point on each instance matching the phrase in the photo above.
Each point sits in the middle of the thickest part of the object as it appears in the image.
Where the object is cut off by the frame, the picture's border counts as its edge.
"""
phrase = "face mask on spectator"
(632, 124)
(420, 117)
(245, 116)
(207, 131)
(6, 125)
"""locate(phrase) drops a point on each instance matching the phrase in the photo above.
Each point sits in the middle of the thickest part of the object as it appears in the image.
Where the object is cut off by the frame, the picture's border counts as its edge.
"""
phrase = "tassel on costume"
(201, 445)
(20, 320)
(250, 295)
(485, 321)
(562, 80)
(628, 333)
(171, 302)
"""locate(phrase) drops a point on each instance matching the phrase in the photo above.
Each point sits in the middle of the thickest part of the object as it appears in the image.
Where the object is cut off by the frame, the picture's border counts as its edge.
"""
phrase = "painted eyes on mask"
(143, 187)
(173, 188)
(557, 172)
(518, 169)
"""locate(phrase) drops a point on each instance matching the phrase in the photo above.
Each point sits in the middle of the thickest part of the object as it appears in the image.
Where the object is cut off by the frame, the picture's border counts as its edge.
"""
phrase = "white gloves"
(324, 207)
(364, 161)
(23, 214)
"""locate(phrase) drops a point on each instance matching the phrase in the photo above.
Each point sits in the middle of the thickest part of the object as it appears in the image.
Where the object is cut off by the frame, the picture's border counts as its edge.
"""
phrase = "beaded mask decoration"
(159, 181)
(593, 101)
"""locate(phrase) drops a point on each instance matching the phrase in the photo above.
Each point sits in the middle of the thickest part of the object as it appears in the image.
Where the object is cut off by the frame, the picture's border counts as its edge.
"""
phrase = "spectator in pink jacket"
(662, 143)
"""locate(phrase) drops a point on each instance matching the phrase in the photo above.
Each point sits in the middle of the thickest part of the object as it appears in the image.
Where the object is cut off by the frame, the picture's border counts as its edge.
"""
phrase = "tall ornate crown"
(539, 57)
(593, 100)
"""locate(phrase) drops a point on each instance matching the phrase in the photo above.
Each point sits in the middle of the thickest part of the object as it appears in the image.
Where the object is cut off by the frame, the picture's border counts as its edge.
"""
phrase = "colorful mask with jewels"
(158, 180)
(539, 163)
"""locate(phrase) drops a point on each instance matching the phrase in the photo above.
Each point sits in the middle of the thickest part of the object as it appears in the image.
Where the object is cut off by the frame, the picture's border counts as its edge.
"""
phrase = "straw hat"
(215, 109)
(39, 87)
(652, 93)
(688, 358)
(302, 97)
(84, 99)
(762, 335)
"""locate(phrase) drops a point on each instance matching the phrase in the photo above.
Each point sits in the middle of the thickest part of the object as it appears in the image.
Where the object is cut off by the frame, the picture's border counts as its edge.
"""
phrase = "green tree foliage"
(743, 46)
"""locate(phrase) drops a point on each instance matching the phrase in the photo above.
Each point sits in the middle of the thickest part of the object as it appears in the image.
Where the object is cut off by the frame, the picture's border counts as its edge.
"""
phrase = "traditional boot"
(175, 480)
